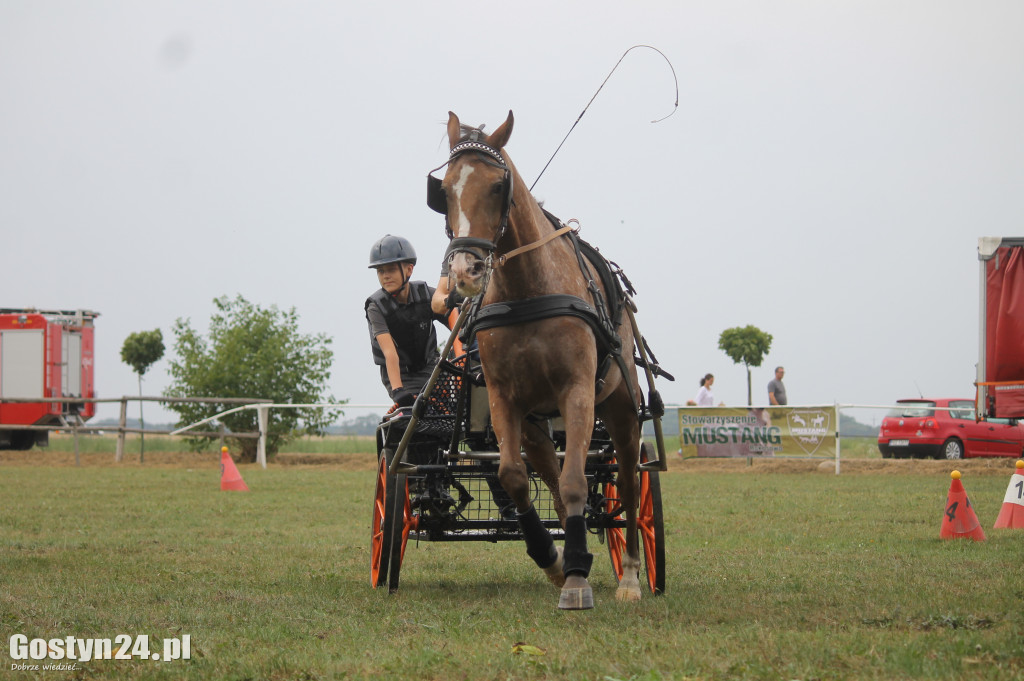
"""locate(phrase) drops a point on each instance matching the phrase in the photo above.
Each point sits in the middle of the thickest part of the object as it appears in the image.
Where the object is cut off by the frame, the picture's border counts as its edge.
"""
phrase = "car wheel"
(886, 452)
(953, 449)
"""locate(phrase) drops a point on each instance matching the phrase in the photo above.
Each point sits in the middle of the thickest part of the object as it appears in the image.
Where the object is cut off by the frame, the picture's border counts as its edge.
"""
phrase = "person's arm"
(438, 304)
(771, 396)
(391, 362)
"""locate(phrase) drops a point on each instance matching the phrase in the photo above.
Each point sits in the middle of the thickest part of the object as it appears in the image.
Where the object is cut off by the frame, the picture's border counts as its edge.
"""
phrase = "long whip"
(578, 118)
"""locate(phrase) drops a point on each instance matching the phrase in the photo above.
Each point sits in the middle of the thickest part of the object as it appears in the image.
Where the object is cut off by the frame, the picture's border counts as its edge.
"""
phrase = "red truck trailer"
(1001, 336)
(44, 354)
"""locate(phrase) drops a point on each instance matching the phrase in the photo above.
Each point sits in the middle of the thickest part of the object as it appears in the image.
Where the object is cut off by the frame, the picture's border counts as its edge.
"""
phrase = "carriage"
(446, 486)
(548, 392)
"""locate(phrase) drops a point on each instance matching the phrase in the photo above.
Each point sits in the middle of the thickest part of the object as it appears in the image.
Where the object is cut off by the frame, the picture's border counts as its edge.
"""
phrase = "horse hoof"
(627, 595)
(554, 571)
(576, 598)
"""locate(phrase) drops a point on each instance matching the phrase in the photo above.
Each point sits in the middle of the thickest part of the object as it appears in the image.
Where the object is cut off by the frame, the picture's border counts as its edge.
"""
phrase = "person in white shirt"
(705, 398)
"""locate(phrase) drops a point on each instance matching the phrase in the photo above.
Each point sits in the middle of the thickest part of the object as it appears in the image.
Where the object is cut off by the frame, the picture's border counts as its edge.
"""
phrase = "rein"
(502, 259)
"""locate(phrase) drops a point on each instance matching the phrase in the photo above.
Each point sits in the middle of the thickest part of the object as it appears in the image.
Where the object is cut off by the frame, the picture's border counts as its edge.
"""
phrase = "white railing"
(263, 420)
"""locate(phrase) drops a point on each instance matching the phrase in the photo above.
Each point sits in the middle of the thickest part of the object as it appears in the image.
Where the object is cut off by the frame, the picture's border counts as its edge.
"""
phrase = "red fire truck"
(1001, 337)
(44, 354)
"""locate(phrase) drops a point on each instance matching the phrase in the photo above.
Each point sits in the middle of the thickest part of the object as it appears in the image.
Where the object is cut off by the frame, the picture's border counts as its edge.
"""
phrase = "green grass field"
(772, 574)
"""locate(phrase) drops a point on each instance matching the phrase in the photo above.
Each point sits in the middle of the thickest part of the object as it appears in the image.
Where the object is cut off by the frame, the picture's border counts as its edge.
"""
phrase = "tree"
(256, 353)
(140, 351)
(746, 345)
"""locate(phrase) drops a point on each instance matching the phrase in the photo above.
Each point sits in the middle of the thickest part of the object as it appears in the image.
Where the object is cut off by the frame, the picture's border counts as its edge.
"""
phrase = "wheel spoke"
(615, 535)
(408, 522)
(380, 529)
(377, 528)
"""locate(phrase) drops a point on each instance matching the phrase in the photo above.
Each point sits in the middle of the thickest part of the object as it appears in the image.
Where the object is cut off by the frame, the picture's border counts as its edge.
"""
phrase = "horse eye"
(497, 188)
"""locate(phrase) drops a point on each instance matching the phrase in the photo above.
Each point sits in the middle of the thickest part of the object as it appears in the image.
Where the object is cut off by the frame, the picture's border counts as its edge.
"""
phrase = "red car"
(921, 428)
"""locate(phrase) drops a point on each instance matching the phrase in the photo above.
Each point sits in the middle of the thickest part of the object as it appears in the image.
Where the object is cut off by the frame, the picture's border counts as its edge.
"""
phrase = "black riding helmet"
(389, 249)
(392, 249)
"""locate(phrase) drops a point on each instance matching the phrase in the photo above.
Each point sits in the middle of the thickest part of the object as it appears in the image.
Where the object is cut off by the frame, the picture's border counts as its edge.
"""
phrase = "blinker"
(437, 200)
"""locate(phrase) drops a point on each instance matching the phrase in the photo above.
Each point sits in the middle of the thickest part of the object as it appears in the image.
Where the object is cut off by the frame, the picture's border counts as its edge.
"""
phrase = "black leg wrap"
(575, 558)
(539, 544)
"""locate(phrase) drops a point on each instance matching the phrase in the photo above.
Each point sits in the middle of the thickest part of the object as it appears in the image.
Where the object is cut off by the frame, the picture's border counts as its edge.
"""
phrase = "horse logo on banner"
(809, 428)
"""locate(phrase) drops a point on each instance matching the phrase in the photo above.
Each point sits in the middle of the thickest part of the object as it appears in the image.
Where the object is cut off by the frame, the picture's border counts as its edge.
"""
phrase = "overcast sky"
(825, 178)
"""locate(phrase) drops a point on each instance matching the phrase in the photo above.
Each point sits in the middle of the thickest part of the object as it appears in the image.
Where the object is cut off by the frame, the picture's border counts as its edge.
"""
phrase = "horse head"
(478, 190)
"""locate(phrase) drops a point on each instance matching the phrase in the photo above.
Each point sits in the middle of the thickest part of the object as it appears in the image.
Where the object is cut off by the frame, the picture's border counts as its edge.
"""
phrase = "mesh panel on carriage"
(443, 402)
(490, 501)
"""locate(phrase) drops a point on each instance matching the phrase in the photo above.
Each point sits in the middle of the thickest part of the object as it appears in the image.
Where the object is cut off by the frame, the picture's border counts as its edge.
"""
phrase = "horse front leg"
(515, 479)
(578, 412)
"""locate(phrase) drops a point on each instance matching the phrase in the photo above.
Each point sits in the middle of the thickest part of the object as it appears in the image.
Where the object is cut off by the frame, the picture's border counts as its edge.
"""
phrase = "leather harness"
(604, 316)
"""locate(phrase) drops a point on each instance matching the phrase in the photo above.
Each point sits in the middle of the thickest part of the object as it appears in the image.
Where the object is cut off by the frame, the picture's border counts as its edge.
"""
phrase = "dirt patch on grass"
(367, 461)
(350, 462)
(998, 466)
(41, 457)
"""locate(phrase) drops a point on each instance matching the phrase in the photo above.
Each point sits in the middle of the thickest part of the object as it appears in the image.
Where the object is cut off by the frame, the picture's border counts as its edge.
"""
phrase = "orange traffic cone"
(959, 519)
(230, 478)
(1012, 513)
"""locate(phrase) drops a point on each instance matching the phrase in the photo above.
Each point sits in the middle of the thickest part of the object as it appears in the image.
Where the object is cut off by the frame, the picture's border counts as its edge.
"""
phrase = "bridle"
(437, 200)
(484, 248)
(513, 312)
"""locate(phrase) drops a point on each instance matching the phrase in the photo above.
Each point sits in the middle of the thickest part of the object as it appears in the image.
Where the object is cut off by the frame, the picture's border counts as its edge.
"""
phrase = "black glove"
(403, 397)
(454, 299)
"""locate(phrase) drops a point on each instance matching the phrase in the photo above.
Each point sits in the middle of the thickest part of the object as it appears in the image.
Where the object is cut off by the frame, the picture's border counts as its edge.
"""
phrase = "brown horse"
(505, 245)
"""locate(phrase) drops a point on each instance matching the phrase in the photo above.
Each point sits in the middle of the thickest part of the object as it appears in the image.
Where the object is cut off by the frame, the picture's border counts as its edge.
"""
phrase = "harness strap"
(502, 259)
(603, 314)
(555, 305)
(533, 309)
(604, 317)
(471, 244)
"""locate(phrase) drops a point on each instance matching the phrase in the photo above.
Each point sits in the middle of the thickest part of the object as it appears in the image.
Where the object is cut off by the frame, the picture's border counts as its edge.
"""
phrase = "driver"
(401, 323)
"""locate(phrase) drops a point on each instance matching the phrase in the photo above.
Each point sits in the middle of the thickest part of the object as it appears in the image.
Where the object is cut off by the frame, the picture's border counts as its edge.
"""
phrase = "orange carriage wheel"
(650, 526)
(615, 536)
(405, 522)
(382, 524)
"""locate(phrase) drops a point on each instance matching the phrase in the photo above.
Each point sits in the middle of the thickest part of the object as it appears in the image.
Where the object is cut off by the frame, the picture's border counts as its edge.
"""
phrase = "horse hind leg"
(629, 585)
(541, 547)
(540, 451)
(625, 434)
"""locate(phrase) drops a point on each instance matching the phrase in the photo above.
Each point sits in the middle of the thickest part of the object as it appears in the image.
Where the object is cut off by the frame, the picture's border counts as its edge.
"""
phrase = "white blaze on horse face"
(462, 220)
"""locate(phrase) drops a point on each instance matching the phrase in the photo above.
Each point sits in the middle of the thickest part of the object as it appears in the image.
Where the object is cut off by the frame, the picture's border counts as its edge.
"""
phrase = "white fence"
(263, 420)
(263, 408)
(75, 425)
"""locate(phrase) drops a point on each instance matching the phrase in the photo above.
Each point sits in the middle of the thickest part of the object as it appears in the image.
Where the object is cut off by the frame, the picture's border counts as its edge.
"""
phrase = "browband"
(473, 145)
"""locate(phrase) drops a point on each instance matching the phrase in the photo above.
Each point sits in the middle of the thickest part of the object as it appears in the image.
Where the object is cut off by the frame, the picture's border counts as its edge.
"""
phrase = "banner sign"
(757, 431)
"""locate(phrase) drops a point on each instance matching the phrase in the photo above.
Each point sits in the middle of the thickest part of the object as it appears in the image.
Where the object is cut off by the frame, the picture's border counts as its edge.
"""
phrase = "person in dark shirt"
(402, 336)
(776, 389)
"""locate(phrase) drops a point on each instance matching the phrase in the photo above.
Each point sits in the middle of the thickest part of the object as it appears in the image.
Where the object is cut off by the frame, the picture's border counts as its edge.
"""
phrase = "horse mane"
(468, 132)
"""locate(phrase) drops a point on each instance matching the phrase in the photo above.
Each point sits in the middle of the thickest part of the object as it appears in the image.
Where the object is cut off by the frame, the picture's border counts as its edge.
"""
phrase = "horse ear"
(454, 130)
(499, 138)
